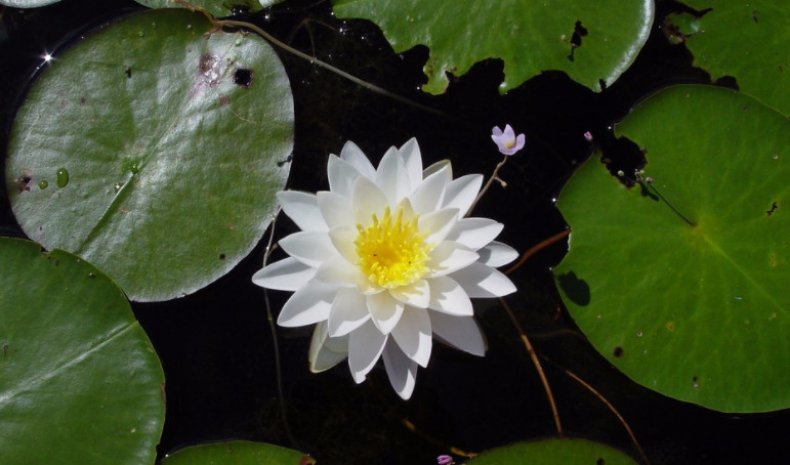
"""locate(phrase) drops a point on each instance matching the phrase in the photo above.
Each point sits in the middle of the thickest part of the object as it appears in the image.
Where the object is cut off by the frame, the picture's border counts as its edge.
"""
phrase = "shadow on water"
(574, 288)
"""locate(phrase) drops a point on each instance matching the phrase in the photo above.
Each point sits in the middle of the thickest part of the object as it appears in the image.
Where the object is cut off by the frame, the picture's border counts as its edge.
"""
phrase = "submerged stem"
(219, 23)
(538, 367)
(275, 345)
(452, 449)
(537, 248)
(322, 64)
(608, 405)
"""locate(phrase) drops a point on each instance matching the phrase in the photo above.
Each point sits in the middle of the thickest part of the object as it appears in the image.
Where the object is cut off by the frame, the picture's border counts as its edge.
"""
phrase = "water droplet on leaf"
(62, 177)
(43, 184)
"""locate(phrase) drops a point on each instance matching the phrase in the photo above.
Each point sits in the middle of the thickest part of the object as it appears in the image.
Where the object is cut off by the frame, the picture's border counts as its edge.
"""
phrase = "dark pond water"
(216, 345)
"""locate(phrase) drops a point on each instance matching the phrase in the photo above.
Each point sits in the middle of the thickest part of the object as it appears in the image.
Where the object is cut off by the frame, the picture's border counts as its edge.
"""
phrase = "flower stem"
(488, 183)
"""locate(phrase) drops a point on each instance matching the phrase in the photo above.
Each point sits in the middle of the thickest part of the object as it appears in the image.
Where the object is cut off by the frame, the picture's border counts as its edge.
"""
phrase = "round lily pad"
(237, 453)
(79, 380)
(592, 44)
(555, 451)
(154, 149)
(756, 56)
(681, 280)
(27, 3)
(215, 7)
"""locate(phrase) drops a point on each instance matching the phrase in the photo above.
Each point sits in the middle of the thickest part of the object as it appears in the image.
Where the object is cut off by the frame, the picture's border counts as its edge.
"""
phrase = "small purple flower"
(507, 141)
(588, 136)
(444, 460)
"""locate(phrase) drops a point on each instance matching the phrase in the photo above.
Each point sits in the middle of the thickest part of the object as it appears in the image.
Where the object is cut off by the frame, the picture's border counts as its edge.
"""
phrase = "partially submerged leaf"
(237, 453)
(79, 380)
(554, 451)
(682, 283)
(592, 44)
(153, 149)
(748, 41)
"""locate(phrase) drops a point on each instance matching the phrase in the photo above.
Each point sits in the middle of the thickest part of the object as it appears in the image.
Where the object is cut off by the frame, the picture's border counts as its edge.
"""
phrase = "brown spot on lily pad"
(22, 182)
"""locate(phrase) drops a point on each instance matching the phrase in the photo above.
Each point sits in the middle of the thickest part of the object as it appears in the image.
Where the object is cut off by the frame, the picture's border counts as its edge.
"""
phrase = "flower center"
(510, 143)
(391, 250)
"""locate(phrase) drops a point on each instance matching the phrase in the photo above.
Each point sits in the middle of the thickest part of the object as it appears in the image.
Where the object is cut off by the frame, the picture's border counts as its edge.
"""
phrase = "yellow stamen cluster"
(392, 252)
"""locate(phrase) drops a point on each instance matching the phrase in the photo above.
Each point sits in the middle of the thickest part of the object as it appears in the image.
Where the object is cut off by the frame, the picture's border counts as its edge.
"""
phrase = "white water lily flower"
(384, 261)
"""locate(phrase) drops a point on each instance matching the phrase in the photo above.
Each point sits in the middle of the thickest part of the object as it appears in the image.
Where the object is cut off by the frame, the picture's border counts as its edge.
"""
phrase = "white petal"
(412, 159)
(479, 280)
(385, 310)
(364, 349)
(401, 371)
(343, 241)
(326, 352)
(308, 305)
(405, 208)
(413, 335)
(336, 210)
(447, 296)
(436, 167)
(462, 192)
(356, 157)
(349, 311)
(460, 332)
(416, 294)
(449, 257)
(302, 208)
(430, 193)
(392, 177)
(288, 274)
(342, 175)
(337, 271)
(367, 200)
(475, 232)
(436, 225)
(366, 287)
(309, 247)
(497, 254)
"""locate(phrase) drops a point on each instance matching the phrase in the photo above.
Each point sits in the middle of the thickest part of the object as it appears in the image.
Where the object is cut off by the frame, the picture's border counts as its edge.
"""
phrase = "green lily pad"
(79, 380)
(27, 3)
(154, 149)
(678, 27)
(218, 8)
(237, 453)
(591, 44)
(555, 451)
(756, 55)
(682, 283)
